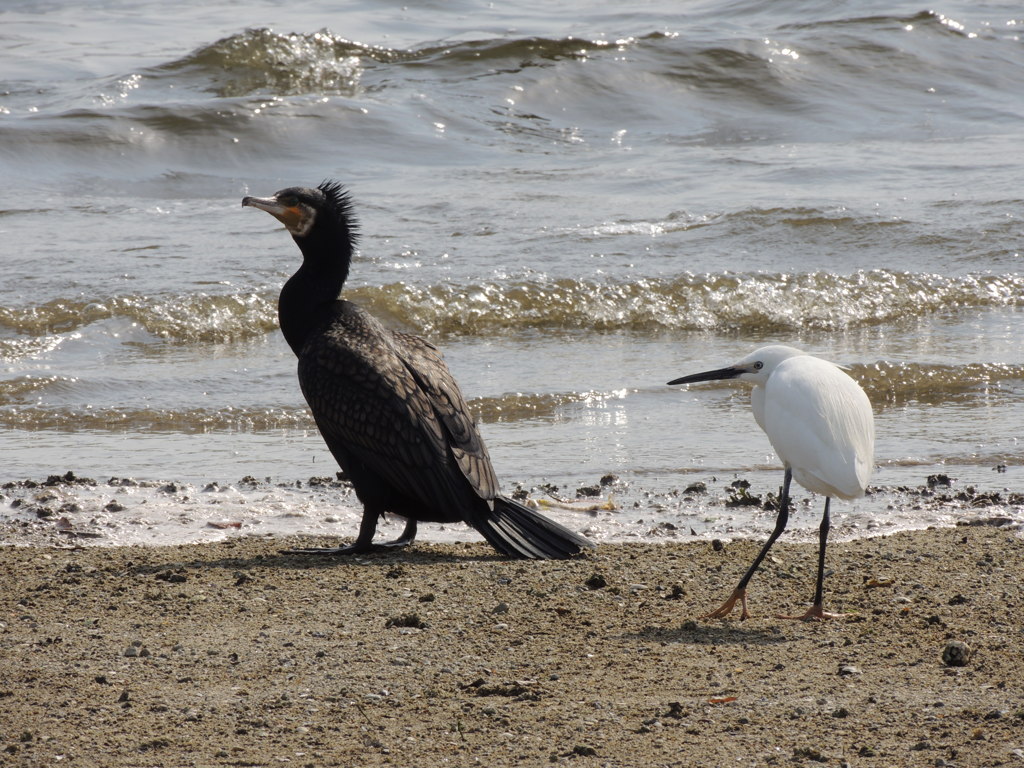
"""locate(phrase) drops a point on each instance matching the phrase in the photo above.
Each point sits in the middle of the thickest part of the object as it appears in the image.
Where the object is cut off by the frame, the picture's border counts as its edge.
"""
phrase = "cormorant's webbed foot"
(349, 549)
(362, 545)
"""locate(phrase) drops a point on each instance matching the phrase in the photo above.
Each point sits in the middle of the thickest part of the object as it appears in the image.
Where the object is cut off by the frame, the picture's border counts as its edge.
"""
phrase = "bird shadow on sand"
(383, 558)
(693, 633)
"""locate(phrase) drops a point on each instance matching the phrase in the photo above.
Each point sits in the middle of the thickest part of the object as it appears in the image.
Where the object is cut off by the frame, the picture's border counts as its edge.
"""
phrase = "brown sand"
(231, 654)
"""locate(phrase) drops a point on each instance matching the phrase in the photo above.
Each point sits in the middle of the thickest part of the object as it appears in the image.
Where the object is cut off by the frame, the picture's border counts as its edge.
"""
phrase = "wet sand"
(232, 654)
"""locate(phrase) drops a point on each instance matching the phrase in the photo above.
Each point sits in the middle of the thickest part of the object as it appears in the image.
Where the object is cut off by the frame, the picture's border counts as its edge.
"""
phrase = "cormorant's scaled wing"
(411, 430)
(428, 368)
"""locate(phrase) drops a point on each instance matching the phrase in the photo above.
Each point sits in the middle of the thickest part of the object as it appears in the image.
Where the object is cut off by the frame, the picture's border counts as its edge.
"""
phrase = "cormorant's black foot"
(351, 549)
(358, 548)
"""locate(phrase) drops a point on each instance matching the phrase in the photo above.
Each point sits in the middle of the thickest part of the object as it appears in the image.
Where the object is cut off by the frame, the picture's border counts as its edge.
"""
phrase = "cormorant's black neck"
(326, 255)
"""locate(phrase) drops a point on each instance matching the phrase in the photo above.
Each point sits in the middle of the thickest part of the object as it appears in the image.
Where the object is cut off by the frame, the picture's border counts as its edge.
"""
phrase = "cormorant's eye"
(758, 365)
(289, 201)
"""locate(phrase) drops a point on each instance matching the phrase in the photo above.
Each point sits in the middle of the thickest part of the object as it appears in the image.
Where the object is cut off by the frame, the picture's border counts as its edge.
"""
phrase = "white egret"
(820, 424)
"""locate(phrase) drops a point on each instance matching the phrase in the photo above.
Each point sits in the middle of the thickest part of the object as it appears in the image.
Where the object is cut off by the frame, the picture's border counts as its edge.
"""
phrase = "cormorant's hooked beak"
(272, 206)
(293, 217)
(719, 373)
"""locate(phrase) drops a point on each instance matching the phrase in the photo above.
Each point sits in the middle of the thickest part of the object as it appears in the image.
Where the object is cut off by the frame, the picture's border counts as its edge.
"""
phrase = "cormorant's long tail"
(517, 531)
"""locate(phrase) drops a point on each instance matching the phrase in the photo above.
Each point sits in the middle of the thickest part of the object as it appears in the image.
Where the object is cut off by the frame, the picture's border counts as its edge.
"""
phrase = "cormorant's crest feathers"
(340, 202)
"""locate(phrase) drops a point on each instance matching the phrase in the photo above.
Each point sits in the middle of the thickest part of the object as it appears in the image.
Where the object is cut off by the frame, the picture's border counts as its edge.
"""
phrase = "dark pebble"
(597, 581)
(956, 654)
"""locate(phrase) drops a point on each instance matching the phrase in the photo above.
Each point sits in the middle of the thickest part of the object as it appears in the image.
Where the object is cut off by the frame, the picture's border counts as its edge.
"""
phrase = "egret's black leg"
(780, 525)
(817, 611)
(819, 587)
(740, 593)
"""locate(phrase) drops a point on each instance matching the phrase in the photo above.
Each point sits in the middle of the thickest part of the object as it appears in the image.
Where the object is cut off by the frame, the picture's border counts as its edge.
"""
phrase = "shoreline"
(67, 509)
(234, 654)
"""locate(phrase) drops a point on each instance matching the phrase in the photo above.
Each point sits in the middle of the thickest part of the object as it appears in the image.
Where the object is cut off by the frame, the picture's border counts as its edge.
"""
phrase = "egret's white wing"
(820, 423)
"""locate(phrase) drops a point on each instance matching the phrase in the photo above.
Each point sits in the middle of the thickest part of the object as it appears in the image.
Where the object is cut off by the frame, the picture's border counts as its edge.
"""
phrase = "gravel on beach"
(233, 654)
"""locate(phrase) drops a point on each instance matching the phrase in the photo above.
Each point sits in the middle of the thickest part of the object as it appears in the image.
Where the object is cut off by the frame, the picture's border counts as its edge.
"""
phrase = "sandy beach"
(233, 654)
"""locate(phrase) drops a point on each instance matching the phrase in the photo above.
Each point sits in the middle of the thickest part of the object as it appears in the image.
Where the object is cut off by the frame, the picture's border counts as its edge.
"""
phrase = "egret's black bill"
(719, 373)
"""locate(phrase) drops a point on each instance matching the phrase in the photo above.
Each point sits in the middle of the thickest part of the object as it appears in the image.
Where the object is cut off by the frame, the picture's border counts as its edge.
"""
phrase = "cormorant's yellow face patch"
(291, 217)
(297, 217)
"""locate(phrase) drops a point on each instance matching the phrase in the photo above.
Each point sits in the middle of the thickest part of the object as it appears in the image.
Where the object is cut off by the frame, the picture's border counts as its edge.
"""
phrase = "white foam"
(644, 509)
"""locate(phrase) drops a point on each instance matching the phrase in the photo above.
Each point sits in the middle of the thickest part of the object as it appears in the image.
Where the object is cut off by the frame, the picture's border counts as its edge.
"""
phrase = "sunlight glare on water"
(576, 203)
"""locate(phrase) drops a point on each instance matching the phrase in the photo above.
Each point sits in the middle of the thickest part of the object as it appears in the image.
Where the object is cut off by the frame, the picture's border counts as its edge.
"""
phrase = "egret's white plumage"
(819, 422)
(817, 419)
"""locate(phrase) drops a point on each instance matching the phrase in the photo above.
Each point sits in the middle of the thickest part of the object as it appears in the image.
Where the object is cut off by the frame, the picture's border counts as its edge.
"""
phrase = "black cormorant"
(385, 402)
